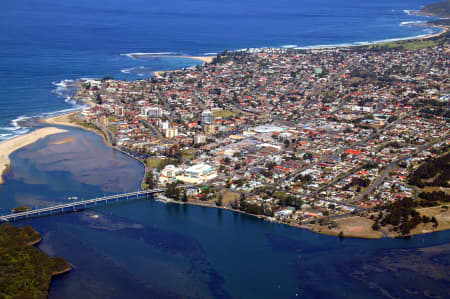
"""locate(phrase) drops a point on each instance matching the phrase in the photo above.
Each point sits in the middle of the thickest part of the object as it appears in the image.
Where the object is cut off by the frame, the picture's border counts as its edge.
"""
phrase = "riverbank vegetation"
(25, 271)
(434, 172)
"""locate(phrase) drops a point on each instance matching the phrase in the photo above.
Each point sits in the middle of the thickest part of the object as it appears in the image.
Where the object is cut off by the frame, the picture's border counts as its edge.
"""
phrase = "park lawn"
(433, 188)
(188, 154)
(442, 216)
(112, 128)
(353, 227)
(228, 197)
(224, 113)
(413, 44)
(154, 163)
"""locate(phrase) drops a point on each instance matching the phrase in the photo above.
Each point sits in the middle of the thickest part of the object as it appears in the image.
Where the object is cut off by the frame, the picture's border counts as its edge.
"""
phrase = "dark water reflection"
(145, 249)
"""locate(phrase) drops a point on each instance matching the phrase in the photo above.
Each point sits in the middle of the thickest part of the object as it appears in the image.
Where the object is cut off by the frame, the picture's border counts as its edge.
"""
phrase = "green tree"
(219, 201)
(185, 198)
(150, 180)
(376, 225)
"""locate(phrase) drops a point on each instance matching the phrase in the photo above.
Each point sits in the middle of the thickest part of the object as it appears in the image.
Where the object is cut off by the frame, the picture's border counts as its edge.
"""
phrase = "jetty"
(79, 205)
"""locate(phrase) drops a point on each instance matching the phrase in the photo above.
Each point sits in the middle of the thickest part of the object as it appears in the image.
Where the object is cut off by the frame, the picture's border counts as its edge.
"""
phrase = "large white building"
(198, 174)
(207, 117)
(169, 174)
(153, 112)
(199, 139)
(164, 125)
(171, 133)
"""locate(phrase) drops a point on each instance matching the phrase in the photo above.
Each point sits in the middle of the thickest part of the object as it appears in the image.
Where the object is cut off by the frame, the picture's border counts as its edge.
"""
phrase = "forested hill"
(440, 9)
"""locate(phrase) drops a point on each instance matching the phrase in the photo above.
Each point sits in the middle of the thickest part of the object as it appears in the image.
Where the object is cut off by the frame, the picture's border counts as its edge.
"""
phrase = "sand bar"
(63, 120)
(11, 145)
(207, 59)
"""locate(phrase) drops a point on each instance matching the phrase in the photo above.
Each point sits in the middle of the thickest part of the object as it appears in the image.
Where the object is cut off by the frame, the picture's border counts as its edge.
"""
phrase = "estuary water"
(146, 249)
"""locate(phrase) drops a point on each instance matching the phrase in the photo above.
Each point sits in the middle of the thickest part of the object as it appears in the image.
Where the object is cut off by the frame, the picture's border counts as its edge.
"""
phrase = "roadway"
(61, 208)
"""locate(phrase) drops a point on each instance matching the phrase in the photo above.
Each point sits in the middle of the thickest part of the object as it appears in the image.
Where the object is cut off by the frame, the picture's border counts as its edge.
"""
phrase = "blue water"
(146, 249)
(46, 42)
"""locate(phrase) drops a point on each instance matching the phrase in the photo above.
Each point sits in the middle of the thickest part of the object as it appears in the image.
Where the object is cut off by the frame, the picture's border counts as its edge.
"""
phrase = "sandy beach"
(63, 120)
(206, 59)
(9, 146)
(159, 74)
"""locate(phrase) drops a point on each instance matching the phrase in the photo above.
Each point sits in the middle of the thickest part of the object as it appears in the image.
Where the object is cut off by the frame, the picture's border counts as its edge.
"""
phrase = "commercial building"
(207, 117)
(198, 174)
(209, 129)
(171, 133)
(168, 174)
(199, 139)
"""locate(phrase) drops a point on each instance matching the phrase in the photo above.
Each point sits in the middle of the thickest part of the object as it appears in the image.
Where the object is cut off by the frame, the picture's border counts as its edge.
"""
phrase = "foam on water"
(138, 69)
(426, 32)
(410, 12)
(414, 23)
(138, 55)
(65, 89)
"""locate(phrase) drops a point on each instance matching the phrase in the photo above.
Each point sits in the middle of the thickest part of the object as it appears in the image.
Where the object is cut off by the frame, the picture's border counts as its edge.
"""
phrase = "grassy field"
(188, 154)
(154, 163)
(224, 113)
(112, 129)
(228, 197)
(441, 214)
(413, 44)
(410, 45)
(354, 227)
(432, 188)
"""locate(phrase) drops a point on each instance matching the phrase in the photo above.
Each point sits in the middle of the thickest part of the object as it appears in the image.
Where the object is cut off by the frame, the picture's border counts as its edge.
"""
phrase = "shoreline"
(444, 29)
(11, 145)
(361, 235)
(372, 236)
(204, 59)
(67, 119)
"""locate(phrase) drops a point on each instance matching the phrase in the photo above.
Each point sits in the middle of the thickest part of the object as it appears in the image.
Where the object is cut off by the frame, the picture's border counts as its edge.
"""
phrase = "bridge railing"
(76, 203)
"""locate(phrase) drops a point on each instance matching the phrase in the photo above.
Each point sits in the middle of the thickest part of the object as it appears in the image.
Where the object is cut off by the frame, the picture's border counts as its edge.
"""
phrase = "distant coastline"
(439, 9)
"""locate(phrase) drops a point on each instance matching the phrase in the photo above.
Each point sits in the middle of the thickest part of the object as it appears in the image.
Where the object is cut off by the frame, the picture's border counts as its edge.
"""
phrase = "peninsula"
(25, 271)
(439, 9)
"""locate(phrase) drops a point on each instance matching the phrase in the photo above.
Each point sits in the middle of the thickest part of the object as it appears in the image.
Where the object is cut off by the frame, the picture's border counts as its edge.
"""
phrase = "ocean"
(46, 44)
(147, 249)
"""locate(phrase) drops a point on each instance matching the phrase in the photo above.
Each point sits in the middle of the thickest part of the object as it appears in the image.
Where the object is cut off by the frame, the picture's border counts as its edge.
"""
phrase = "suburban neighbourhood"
(296, 136)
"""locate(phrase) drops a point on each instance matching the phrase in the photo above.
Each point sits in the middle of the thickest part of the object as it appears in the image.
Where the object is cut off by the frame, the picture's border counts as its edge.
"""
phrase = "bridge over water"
(78, 205)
